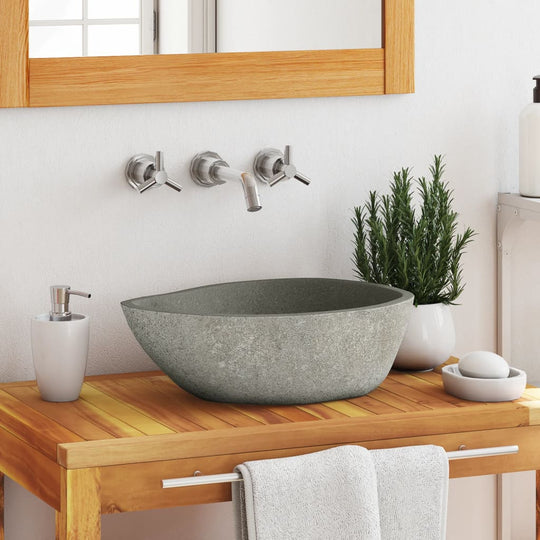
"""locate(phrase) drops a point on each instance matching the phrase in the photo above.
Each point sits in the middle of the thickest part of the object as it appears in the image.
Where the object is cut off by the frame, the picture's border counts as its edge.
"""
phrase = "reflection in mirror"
(289, 25)
(60, 28)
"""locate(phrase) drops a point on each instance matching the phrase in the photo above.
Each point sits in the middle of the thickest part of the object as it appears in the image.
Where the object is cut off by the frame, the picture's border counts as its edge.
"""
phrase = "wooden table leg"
(80, 505)
(1, 506)
(538, 505)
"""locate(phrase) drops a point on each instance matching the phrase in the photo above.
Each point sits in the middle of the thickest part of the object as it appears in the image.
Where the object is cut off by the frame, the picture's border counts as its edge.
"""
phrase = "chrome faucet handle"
(144, 172)
(161, 175)
(271, 166)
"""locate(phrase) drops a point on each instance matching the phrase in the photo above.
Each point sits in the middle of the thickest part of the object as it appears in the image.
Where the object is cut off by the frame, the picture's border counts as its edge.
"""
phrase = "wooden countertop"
(138, 417)
(127, 432)
(110, 450)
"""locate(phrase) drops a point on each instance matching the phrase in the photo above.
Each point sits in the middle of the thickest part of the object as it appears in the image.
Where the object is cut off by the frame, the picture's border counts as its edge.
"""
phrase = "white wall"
(66, 214)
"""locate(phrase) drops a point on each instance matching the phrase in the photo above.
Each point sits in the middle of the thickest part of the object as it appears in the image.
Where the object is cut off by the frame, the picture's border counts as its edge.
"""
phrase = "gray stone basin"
(274, 341)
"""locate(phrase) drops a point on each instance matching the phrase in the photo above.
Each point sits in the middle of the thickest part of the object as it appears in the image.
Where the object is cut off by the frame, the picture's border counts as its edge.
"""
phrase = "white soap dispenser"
(529, 146)
(60, 347)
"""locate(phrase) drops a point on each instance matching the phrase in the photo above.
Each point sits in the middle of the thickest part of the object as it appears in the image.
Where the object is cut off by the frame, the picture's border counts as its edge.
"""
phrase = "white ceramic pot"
(429, 340)
(60, 349)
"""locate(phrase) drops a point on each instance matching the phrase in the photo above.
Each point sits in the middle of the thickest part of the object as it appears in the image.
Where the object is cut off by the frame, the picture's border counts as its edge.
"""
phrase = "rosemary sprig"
(417, 249)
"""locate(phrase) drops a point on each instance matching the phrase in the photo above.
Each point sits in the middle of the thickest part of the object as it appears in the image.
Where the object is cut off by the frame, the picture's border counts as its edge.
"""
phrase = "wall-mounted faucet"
(144, 172)
(271, 166)
(209, 170)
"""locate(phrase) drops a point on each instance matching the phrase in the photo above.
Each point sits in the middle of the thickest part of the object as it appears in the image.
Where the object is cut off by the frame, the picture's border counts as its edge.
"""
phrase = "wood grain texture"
(438, 396)
(321, 411)
(399, 46)
(400, 403)
(81, 418)
(152, 411)
(90, 378)
(534, 411)
(294, 414)
(335, 431)
(144, 480)
(348, 408)
(223, 411)
(13, 53)
(205, 77)
(128, 432)
(369, 403)
(1, 506)
(263, 415)
(117, 409)
(40, 82)
(79, 516)
(151, 402)
(30, 425)
(30, 468)
(399, 387)
(537, 505)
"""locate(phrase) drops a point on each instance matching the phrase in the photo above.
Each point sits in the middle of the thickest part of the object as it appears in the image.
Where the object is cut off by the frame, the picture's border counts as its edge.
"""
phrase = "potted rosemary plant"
(415, 247)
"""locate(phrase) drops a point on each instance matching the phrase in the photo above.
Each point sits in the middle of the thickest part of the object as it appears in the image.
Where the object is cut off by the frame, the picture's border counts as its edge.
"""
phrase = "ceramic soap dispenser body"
(60, 347)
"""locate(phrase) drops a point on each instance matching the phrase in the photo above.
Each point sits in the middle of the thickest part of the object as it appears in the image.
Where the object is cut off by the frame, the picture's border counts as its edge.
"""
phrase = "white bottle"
(60, 347)
(529, 146)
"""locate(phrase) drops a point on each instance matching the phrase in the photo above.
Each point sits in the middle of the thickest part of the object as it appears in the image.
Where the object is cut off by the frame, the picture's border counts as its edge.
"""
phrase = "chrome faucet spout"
(251, 193)
(208, 170)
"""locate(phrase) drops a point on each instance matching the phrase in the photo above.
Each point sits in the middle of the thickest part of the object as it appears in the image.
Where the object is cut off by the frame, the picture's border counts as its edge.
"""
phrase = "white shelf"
(515, 200)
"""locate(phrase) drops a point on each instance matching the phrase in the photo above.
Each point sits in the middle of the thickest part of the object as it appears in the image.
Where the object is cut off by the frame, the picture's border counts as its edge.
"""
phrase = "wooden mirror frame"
(52, 82)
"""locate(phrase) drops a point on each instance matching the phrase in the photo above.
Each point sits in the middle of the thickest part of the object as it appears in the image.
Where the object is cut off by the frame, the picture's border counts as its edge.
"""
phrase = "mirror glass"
(62, 28)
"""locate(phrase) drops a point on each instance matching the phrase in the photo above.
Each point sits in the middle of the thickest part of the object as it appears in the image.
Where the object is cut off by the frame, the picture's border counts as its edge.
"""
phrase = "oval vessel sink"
(274, 341)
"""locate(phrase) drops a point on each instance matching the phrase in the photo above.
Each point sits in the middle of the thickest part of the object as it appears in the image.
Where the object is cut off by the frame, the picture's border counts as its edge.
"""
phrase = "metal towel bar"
(235, 477)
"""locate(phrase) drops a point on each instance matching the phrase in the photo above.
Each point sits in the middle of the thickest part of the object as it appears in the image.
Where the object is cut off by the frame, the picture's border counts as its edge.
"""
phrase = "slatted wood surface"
(148, 404)
(109, 450)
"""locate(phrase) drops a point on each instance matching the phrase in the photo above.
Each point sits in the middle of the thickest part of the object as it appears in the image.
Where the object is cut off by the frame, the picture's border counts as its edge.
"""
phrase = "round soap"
(483, 365)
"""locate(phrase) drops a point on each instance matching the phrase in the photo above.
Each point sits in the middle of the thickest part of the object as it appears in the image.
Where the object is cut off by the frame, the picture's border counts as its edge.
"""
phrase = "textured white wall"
(67, 215)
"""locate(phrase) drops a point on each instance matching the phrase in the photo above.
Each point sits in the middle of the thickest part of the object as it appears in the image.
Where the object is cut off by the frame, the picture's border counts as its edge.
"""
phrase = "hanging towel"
(328, 495)
(412, 485)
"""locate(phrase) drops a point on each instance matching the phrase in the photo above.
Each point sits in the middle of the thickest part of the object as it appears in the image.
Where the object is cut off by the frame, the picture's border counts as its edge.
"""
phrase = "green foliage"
(416, 249)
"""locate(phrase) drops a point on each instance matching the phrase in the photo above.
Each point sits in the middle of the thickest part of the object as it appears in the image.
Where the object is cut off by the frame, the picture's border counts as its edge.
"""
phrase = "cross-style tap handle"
(161, 177)
(144, 172)
(272, 166)
(302, 178)
(287, 154)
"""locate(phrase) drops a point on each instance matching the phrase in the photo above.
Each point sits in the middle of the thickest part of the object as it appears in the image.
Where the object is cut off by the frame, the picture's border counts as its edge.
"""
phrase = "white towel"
(328, 495)
(412, 483)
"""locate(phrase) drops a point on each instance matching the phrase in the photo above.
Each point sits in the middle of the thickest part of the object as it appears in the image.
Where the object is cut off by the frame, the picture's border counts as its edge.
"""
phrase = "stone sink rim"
(403, 296)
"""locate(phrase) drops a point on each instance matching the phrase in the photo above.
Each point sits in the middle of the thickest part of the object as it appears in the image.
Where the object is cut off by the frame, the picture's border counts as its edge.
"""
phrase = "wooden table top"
(134, 417)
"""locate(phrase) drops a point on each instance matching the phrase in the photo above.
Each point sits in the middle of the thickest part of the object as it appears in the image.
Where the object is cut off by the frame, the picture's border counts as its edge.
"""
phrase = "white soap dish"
(474, 389)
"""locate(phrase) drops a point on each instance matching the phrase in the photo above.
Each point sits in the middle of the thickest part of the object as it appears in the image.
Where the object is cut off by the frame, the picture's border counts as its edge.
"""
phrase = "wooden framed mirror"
(46, 82)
